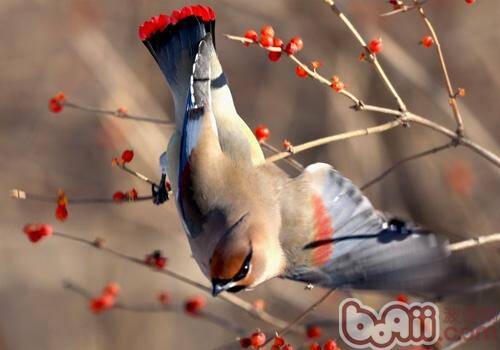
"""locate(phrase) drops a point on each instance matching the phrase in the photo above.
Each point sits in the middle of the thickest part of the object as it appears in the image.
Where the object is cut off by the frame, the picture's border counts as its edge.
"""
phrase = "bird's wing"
(333, 237)
(199, 144)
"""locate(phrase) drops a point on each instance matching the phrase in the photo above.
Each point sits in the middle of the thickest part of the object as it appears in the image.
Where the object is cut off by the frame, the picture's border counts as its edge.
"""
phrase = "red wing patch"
(323, 229)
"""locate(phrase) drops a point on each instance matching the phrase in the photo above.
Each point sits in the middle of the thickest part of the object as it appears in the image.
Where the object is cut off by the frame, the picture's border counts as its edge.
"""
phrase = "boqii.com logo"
(396, 323)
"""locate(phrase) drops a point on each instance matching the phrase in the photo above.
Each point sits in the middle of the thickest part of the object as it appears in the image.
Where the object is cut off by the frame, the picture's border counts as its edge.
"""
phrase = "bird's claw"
(160, 193)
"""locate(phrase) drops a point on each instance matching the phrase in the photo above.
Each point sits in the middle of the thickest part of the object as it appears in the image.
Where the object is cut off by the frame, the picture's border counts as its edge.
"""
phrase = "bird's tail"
(173, 41)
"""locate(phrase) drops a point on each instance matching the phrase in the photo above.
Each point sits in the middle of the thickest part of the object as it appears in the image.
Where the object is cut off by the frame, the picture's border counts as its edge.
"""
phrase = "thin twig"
(451, 93)
(117, 114)
(471, 334)
(232, 299)
(311, 72)
(404, 118)
(157, 307)
(292, 162)
(403, 161)
(371, 57)
(303, 315)
(474, 242)
(137, 174)
(347, 135)
(402, 8)
(20, 194)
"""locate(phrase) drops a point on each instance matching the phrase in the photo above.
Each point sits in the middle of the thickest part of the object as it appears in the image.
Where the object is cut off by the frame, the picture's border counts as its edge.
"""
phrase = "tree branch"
(447, 80)
(474, 242)
(157, 307)
(464, 338)
(119, 113)
(230, 298)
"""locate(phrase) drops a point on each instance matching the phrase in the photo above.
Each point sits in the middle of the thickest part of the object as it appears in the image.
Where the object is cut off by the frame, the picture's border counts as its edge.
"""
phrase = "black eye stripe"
(236, 289)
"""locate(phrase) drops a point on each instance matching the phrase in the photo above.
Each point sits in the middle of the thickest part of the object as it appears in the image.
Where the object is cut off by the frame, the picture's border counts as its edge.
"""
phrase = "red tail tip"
(161, 22)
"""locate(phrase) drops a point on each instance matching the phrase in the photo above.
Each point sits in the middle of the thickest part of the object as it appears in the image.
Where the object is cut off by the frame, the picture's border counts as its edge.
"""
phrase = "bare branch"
(119, 113)
(292, 162)
(403, 8)
(371, 58)
(230, 298)
(157, 307)
(403, 161)
(474, 242)
(451, 93)
(464, 338)
(347, 135)
(304, 314)
(20, 194)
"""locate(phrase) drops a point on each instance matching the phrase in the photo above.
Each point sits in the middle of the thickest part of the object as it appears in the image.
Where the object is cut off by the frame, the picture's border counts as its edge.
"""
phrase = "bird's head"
(243, 258)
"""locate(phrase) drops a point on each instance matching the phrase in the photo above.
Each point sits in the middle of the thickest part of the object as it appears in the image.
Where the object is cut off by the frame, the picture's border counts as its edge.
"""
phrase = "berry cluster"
(106, 300)
(258, 339)
(274, 45)
(156, 259)
(36, 232)
(129, 196)
(56, 103)
(125, 158)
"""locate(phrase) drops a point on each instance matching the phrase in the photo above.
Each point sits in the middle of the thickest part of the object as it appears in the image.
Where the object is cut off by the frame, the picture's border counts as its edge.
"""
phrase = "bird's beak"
(217, 288)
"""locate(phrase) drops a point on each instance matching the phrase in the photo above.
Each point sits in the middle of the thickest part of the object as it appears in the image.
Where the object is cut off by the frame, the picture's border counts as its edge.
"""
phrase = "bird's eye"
(243, 272)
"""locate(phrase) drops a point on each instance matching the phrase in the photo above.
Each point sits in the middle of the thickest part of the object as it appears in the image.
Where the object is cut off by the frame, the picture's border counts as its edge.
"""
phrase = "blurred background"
(90, 50)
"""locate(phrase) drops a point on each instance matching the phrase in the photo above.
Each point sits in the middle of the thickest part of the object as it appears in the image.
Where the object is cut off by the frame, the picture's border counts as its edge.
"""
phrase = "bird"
(246, 220)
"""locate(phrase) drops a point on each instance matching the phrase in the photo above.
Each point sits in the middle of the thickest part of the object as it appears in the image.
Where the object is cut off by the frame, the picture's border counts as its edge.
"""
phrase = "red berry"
(164, 298)
(277, 42)
(160, 262)
(252, 35)
(297, 40)
(314, 332)
(291, 49)
(127, 156)
(287, 347)
(194, 305)
(56, 103)
(375, 45)
(112, 289)
(274, 56)
(427, 41)
(330, 345)
(101, 303)
(337, 84)
(301, 72)
(257, 339)
(266, 40)
(36, 232)
(402, 298)
(61, 212)
(267, 31)
(315, 346)
(262, 133)
(470, 2)
(279, 341)
(132, 194)
(119, 196)
(245, 342)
